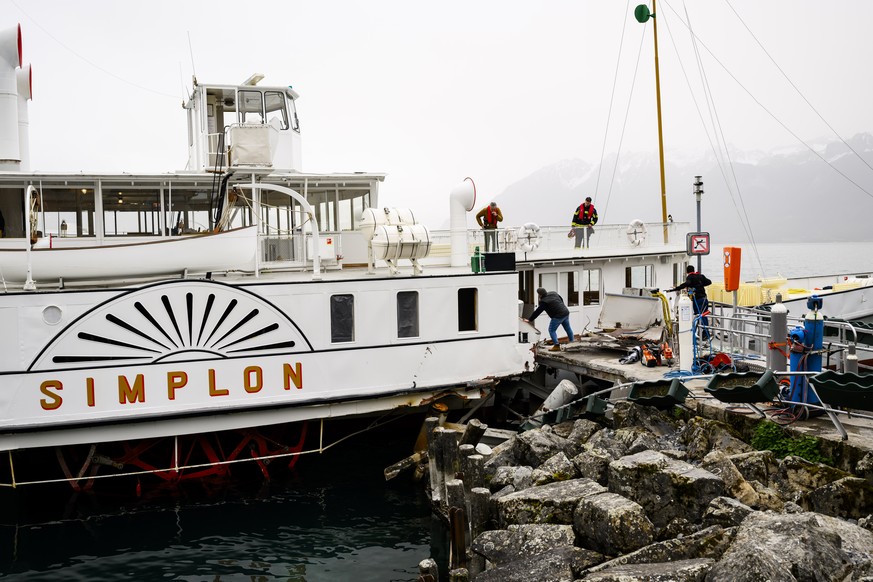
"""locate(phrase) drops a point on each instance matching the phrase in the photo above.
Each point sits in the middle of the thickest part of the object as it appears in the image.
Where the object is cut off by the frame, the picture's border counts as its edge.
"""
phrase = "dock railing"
(744, 332)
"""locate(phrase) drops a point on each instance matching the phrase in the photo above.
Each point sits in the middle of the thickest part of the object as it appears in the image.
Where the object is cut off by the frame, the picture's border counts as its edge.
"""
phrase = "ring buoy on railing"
(636, 232)
(529, 237)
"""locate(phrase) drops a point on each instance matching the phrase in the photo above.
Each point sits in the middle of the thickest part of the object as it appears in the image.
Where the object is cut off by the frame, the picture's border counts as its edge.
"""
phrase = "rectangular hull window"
(342, 318)
(467, 316)
(407, 314)
(591, 287)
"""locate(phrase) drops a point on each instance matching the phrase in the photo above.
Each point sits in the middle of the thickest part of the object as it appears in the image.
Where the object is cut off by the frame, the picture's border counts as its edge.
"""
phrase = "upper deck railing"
(531, 242)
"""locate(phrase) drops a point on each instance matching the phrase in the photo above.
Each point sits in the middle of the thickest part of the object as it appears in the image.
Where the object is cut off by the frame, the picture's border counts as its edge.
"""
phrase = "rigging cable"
(611, 101)
(626, 115)
(721, 151)
(768, 112)
(96, 66)
(790, 82)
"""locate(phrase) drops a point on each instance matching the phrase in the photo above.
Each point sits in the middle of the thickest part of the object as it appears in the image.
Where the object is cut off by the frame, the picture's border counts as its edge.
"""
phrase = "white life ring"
(636, 232)
(529, 237)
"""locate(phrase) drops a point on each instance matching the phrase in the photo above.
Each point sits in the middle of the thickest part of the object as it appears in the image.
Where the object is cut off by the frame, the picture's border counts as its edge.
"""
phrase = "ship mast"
(642, 14)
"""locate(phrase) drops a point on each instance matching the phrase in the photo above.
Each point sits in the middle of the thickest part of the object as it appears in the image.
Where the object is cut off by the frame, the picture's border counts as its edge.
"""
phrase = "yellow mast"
(642, 14)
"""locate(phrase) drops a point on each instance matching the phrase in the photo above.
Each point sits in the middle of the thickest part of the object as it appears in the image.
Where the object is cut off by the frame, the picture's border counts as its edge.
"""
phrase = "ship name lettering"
(132, 392)
(54, 399)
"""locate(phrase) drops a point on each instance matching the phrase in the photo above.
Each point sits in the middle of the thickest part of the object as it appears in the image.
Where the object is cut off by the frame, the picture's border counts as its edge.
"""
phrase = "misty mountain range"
(789, 195)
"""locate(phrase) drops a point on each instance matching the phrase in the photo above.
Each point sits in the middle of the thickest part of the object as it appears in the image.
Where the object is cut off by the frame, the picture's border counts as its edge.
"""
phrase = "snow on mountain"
(789, 195)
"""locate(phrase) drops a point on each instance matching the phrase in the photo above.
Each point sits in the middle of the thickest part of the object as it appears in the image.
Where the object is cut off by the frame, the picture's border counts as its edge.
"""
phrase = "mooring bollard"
(448, 459)
(473, 433)
(459, 524)
(480, 510)
(455, 494)
(473, 468)
(428, 571)
(465, 452)
(431, 424)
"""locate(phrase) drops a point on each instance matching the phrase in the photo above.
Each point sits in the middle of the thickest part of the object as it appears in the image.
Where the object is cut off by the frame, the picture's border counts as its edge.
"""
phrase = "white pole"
(29, 284)
(686, 338)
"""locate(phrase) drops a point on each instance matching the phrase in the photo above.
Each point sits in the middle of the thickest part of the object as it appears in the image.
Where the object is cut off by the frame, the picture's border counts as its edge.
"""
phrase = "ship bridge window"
(251, 107)
(342, 318)
(277, 113)
(407, 314)
(467, 315)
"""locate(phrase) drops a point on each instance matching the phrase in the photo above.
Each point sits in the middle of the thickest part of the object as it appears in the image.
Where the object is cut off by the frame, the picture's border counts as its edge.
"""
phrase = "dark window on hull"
(467, 316)
(407, 314)
(342, 318)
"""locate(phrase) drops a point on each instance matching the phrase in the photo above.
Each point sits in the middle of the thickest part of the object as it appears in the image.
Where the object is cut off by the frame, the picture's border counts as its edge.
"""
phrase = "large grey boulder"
(664, 487)
(501, 456)
(710, 543)
(782, 547)
(695, 570)
(501, 546)
(702, 435)
(552, 503)
(535, 447)
(796, 478)
(719, 464)
(756, 465)
(557, 468)
(725, 512)
(629, 414)
(856, 541)
(583, 429)
(607, 440)
(611, 524)
(849, 497)
(519, 477)
(768, 498)
(561, 564)
(593, 463)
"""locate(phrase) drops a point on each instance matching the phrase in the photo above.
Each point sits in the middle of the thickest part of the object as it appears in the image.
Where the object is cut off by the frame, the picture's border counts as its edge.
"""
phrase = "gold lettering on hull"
(253, 379)
(294, 375)
(54, 400)
(89, 389)
(252, 382)
(175, 380)
(213, 391)
(128, 394)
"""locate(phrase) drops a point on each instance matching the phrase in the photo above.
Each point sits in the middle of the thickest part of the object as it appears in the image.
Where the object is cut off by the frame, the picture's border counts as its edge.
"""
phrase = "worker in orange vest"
(488, 218)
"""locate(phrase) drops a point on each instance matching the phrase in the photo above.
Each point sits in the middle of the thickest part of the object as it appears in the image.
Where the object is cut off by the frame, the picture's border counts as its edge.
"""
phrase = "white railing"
(607, 239)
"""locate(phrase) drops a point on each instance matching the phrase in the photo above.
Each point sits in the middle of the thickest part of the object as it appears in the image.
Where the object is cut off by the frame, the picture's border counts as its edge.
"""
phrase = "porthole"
(51, 315)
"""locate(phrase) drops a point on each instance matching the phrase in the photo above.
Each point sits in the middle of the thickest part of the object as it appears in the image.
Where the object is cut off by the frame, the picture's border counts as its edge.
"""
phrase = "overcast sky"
(431, 92)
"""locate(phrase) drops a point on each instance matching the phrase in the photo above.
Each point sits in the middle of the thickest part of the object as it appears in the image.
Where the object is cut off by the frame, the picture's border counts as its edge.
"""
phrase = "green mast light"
(642, 14)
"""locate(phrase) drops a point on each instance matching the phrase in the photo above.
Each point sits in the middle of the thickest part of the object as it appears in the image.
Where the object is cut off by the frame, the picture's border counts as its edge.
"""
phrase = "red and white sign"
(697, 243)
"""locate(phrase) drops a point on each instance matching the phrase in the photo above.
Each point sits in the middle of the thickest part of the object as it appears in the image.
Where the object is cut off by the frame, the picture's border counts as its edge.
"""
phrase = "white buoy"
(564, 393)
(686, 335)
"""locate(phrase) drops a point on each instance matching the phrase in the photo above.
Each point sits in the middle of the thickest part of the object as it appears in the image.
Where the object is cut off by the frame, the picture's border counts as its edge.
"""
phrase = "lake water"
(335, 519)
(793, 260)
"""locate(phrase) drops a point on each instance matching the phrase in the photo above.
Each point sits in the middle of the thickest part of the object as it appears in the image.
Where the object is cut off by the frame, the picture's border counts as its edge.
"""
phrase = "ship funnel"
(10, 59)
(24, 76)
(461, 201)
